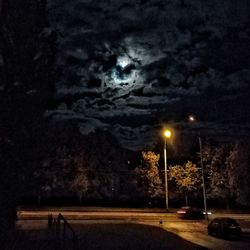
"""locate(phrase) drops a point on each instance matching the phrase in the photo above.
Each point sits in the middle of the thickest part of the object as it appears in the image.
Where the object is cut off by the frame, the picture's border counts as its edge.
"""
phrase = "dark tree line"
(89, 167)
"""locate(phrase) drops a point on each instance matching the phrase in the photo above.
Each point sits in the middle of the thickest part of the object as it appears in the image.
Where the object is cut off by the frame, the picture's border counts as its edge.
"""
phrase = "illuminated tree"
(80, 185)
(187, 177)
(148, 174)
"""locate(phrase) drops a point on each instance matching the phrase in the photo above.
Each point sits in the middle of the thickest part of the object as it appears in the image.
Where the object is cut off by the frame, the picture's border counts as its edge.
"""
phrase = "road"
(193, 231)
(97, 214)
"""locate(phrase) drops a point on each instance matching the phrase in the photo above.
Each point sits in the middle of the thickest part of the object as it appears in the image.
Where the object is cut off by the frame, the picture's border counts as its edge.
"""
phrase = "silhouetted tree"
(237, 164)
(227, 169)
(220, 176)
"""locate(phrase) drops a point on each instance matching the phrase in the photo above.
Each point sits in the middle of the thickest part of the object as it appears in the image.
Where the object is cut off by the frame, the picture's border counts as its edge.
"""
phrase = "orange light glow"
(167, 133)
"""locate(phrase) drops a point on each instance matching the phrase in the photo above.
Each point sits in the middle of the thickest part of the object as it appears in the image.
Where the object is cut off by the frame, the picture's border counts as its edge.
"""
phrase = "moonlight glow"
(123, 61)
(124, 71)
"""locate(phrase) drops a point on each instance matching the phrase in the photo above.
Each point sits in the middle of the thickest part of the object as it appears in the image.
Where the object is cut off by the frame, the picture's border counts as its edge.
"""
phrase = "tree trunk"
(227, 203)
(39, 200)
(80, 199)
(186, 198)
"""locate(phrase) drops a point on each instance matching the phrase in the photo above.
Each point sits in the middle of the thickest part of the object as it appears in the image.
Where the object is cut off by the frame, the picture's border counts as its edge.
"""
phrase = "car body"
(190, 213)
(224, 228)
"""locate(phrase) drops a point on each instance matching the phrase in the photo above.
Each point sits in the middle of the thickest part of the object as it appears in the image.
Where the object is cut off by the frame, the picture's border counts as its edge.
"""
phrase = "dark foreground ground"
(99, 236)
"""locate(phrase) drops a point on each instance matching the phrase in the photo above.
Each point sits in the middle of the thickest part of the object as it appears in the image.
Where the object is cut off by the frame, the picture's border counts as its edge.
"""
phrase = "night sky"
(131, 67)
(118, 71)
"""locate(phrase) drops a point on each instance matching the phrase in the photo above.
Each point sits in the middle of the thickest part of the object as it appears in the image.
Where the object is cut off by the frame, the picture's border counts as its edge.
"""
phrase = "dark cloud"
(124, 61)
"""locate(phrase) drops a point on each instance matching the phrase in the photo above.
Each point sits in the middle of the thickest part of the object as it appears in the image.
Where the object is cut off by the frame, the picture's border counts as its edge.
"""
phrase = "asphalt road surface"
(98, 228)
(101, 236)
(129, 236)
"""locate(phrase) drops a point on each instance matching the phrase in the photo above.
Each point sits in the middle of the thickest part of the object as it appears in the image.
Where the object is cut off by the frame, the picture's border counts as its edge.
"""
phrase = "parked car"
(190, 213)
(224, 228)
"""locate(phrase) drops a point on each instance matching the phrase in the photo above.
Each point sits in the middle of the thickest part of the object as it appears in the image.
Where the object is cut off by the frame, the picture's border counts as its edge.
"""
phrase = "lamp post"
(192, 119)
(167, 135)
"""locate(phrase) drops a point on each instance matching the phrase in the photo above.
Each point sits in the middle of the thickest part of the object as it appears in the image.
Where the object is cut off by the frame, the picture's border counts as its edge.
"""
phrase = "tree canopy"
(227, 171)
(148, 174)
(187, 177)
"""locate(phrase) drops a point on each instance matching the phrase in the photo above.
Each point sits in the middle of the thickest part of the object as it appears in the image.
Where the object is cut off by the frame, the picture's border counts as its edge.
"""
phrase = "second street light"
(167, 135)
(192, 119)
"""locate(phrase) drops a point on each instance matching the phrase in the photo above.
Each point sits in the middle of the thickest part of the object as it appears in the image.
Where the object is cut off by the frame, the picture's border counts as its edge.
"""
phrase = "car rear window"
(232, 221)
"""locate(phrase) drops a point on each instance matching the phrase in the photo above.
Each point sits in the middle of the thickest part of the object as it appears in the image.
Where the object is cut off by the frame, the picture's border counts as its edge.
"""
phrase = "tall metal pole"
(203, 180)
(166, 173)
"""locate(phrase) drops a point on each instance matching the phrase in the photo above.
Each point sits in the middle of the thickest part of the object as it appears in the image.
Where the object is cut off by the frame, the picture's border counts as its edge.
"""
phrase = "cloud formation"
(124, 64)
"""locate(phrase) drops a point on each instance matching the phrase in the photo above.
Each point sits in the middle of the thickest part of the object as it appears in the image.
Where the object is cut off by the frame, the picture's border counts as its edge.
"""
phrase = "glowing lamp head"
(167, 133)
(191, 118)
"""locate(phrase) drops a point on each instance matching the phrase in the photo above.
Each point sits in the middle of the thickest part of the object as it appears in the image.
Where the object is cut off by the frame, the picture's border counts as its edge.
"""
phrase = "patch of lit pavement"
(196, 232)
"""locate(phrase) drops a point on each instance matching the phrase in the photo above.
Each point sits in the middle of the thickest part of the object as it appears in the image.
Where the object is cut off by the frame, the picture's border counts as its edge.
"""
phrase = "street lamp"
(167, 135)
(192, 119)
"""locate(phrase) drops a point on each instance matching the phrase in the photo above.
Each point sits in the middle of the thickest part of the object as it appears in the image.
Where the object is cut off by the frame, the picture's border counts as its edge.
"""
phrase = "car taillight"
(181, 212)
